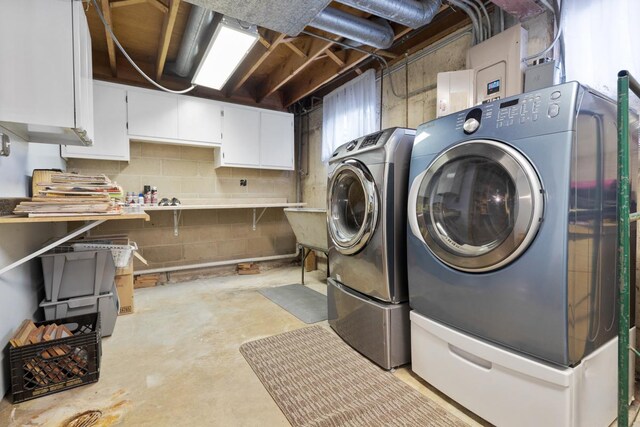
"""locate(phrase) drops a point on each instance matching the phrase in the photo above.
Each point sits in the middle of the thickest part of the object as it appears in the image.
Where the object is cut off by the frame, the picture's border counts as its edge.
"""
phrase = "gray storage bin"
(107, 305)
(69, 274)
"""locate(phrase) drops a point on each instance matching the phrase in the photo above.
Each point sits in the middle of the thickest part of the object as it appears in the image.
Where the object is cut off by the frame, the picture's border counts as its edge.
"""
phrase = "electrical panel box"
(455, 91)
(498, 66)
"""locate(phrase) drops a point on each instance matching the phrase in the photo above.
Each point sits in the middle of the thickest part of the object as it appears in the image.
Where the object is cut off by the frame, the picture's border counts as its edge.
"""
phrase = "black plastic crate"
(53, 366)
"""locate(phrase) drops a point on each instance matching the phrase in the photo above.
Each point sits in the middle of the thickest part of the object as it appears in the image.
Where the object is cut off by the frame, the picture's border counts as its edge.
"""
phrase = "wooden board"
(15, 219)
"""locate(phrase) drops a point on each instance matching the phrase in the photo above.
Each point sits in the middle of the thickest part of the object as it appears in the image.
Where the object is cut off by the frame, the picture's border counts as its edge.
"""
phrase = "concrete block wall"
(204, 235)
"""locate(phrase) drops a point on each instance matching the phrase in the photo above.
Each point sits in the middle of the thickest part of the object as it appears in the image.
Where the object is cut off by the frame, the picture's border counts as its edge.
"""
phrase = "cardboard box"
(125, 270)
(124, 286)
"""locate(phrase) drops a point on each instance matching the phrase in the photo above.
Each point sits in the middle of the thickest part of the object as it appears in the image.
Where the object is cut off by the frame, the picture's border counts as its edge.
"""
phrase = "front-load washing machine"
(512, 243)
(366, 221)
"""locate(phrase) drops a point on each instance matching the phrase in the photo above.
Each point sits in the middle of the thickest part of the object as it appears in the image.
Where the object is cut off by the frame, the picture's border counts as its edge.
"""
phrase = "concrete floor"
(175, 362)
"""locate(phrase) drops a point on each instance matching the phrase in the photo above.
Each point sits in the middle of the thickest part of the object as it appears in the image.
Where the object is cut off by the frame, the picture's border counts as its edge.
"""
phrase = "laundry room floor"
(175, 362)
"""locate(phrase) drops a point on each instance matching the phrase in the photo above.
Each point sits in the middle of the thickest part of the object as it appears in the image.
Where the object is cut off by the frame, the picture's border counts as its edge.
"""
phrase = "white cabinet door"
(36, 50)
(240, 137)
(110, 140)
(199, 120)
(153, 115)
(276, 140)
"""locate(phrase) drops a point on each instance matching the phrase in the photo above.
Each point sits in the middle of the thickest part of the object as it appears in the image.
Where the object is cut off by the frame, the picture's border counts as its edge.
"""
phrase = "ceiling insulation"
(521, 9)
(284, 16)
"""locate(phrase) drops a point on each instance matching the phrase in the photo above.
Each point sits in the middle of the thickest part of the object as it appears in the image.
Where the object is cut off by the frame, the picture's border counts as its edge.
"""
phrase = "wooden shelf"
(223, 206)
(16, 219)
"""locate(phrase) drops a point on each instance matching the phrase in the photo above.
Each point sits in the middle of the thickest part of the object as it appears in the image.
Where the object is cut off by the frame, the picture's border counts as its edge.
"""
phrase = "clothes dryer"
(366, 216)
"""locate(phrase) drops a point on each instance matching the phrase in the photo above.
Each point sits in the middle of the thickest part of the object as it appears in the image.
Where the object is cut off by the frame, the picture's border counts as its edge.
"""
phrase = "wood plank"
(124, 3)
(293, 67)
(165, 37)
(15, 219)
(111, 47)
(335, 58)
(258, 61)
(295, 49)
(159, 5)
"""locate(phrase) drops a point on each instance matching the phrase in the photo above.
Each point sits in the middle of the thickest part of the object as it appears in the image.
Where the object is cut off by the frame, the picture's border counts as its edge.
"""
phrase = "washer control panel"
(530, 108)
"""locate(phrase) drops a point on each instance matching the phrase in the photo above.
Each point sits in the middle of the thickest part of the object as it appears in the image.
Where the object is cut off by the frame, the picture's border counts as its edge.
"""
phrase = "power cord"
(126, 55)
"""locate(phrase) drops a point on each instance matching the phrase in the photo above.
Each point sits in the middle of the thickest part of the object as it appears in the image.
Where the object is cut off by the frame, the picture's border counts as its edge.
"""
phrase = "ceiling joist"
(123, 3)
(159, 5)
(165, 37)
(293, 67)
(111, 48)
(335, 58)
(295, 49)
(258, 61)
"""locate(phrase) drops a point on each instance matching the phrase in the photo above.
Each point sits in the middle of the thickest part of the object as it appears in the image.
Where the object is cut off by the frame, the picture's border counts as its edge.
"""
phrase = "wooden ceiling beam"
(123, 3)
(111, 48)
(335, 58)
(295, 49)
(165, 36)
(256, 64)
(293, 67)
(159, 5)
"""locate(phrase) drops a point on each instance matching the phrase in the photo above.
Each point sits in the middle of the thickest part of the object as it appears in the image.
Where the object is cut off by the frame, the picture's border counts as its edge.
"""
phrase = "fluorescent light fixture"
(229, 45)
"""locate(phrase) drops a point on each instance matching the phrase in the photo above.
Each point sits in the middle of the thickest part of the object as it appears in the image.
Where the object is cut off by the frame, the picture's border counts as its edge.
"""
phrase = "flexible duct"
(411, 13)
(352, 27)
(200, 20)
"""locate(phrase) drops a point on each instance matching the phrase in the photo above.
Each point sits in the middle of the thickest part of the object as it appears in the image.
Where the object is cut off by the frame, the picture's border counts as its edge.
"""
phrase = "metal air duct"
(194, 40)
(379, 35)
(411, 13)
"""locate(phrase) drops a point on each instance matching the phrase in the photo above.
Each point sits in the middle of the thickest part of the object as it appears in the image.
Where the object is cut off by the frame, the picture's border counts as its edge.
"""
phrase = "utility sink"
(310, 227)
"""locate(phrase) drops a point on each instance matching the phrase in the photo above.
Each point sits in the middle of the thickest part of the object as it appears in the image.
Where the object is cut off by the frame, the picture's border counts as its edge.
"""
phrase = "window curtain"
(601, 38)
(349, 112)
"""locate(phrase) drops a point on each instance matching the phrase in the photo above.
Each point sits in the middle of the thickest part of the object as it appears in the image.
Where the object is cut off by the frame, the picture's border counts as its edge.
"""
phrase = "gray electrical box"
(541, 75)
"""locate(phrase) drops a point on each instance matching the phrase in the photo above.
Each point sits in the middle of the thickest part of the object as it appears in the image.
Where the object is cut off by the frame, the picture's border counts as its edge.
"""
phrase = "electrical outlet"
(243, 183)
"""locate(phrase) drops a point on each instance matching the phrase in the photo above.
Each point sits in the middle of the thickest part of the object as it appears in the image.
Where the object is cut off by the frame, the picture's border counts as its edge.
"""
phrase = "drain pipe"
(410, 13)
(218, 263)
(193, 40)
(377, 34)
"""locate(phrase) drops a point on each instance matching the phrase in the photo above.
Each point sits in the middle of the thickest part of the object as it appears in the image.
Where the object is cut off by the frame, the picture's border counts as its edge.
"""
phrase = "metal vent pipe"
(193, 40)
(411, 13)
(377, 34)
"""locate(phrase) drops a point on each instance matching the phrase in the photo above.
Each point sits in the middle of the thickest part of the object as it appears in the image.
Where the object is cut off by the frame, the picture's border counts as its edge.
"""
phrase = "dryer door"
(352, 207)
(477, 206)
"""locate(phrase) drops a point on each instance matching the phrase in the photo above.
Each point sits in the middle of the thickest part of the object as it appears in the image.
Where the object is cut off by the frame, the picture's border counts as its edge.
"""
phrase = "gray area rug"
(303, 302)
(318, 380)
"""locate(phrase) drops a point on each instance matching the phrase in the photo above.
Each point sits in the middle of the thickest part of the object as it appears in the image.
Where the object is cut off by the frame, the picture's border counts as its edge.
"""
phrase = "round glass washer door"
(352, 207)
(478, 206)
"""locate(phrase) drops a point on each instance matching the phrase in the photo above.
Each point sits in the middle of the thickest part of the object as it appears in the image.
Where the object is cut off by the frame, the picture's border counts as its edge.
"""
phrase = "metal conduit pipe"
(354, 28)
(474, 21)
(200, 20)
(411, 13)
(476, 9)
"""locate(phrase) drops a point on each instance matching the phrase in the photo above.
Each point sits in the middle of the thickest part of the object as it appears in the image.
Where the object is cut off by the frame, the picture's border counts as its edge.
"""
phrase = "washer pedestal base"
(380, 331)
(508, 389)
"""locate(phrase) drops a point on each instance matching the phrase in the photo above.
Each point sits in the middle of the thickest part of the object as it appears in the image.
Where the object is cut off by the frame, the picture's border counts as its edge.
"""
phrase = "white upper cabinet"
(276, 140)
(110, 137)
(199, 120)
(152, 114)
(240, 138)
(255, 138)
(46, 72)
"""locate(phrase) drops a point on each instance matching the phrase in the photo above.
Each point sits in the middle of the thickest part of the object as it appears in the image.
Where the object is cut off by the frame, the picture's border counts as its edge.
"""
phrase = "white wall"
(20, 288)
